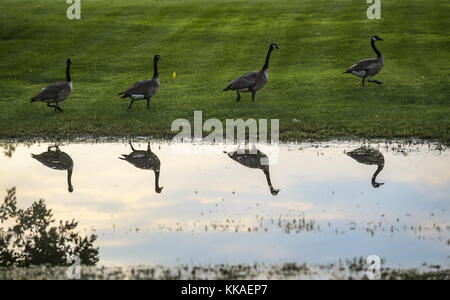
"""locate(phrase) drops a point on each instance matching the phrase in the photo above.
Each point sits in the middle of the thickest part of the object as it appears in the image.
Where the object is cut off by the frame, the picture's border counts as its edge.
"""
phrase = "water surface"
(318, 203)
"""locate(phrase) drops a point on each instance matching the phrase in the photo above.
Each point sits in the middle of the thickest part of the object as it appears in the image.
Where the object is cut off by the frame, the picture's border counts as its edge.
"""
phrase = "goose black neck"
(155, 68)
(69, 179)
(266, 65)
(375, 49)
(269, 182)
(374, 177)
(68, 78)
(157, 187)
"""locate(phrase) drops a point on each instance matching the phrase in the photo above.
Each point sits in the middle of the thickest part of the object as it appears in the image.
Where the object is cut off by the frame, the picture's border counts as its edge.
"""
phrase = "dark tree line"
(30, 237)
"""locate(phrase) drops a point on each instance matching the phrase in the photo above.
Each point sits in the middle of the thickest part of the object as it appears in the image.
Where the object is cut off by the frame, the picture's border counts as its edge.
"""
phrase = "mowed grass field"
(210, 43)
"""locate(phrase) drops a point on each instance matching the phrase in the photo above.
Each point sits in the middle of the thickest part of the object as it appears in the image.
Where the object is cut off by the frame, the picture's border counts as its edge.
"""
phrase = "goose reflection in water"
(57, 160)
(147, 160)
(257, 160)
(369, 156)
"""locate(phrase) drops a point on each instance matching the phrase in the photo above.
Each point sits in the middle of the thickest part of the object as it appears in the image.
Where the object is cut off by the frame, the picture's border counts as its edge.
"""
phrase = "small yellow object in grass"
(174, 74)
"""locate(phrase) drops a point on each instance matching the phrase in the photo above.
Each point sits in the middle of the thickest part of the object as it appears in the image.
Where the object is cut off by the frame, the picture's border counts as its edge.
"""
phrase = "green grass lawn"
(210, 43)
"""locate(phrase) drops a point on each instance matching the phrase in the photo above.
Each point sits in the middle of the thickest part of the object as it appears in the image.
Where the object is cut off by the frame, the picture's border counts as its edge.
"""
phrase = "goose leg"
(148, 103)
(253, 95)
(131, 103)
(57, 108)
(49, 105)
(362, 82)
(238, 97)
(376, 81)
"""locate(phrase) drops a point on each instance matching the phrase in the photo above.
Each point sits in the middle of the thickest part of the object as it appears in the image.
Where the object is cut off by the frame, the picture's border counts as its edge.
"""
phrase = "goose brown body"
(146, 160)
(257, 160)
(367, 68)
(369, 156)
(144, 89)
(54, 93)
(252, 81)
(57, 92)
(57, 160)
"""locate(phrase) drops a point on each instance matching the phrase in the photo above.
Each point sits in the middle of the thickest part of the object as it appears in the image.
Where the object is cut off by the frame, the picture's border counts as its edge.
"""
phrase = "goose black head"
(70, 189)
(274, 192)
(377, 184)
(68, 61)
(274, 46)
(157, 57)
(376, 38)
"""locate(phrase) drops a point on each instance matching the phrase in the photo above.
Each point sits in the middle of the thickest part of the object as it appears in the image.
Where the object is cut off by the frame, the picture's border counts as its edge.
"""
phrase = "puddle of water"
(316, 204)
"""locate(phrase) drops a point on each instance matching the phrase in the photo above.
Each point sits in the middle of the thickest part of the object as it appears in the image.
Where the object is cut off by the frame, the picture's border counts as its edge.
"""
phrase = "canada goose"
(144, 89)
(146, 160)
(368, 68)
(253, 81)
(56, 92)
(369, 156)
(254, 161)
(57, 160)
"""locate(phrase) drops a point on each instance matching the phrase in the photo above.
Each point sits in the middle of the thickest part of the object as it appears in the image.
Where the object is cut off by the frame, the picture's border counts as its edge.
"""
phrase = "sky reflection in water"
(152, 206)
